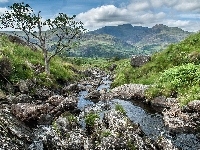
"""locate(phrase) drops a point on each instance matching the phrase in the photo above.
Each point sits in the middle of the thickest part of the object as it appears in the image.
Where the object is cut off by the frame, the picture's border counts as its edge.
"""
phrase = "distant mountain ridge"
(125, 40)
(135, 34)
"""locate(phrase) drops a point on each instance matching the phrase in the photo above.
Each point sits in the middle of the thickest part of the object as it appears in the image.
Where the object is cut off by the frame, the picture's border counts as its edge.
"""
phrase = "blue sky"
(98, 13)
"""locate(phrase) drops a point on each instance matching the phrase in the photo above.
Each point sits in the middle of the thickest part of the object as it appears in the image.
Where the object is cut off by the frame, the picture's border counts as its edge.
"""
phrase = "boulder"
(43, 93)
(29, 113)
(178, 121)
(94, 95)
(66, 90)
(14, 133)
(139, 60)
(129, 91)
(112, 67)
(23, 87)
(163, 102)
(194, 106)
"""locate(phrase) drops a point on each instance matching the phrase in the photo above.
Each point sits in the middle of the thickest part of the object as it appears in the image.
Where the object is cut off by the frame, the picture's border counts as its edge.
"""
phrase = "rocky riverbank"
(48, 119)
(176, 118)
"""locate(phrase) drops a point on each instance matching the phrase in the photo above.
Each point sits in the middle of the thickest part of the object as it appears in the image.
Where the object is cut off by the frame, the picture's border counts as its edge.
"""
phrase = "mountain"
(145, 40)
(135, 34)
(125, 32)
(103, 45)
(125, 40)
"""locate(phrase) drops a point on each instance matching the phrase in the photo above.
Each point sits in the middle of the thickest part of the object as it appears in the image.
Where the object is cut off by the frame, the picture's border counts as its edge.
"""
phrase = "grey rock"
(194, 106)
(29, 112)
(163, 102)
(43, 93)
(139, 60)
(14, 133)
(129, 91)
(94, 95)
(23, 87)
(178, 121)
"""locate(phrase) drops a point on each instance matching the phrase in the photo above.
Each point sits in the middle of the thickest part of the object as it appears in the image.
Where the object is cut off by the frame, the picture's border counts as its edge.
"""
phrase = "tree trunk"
(46, 63)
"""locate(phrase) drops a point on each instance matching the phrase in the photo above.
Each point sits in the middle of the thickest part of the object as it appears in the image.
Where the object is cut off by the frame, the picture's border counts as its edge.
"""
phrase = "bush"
(120, 109)
(90, 119)
(180, 81)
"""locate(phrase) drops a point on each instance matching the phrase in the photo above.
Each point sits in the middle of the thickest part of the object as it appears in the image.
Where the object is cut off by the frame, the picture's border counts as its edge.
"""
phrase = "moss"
(105, 133)
(90, 119)
(120, 109)
(131, 145)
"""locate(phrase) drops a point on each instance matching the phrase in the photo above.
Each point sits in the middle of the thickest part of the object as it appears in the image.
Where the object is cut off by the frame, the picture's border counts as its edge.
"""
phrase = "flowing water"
(149, 120)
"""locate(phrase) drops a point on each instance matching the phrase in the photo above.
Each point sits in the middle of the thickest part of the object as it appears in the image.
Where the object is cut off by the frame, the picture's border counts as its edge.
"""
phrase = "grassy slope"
(23, 58)
(169, 69)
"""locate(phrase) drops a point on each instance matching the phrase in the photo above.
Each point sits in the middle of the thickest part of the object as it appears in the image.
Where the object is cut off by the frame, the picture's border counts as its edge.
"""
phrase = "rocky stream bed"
(88, 115)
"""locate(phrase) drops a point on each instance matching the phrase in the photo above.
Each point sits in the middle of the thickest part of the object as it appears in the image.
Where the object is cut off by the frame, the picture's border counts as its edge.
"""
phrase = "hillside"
(175, 71)
(125, 40)
(103, 45)
(19, 62)
(138, 34)
(146, 40)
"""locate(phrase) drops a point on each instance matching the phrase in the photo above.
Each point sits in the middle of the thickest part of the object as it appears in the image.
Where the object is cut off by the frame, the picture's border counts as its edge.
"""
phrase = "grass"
(120, 109)
(90, 119)
(23, 60)
(174, 71)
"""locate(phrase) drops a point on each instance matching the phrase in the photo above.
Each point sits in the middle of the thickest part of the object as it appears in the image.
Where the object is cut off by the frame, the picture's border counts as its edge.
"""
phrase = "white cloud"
(188, 6)
(139, 6)
(3, 9)
(139, 13)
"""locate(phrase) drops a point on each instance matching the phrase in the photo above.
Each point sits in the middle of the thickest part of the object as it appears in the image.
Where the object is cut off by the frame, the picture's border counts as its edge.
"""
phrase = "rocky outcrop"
(94, 95)
(178, 121)
(139, 60)
(193, 106)
(127, 91)
(54, 106)
(18, 40)
(14, 133)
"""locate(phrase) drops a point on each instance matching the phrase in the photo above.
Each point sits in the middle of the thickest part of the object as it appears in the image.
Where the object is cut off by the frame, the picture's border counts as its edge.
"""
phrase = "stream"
(149, 120)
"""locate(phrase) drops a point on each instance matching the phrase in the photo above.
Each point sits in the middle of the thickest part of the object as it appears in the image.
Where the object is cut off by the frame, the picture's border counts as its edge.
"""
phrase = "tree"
(63, 31)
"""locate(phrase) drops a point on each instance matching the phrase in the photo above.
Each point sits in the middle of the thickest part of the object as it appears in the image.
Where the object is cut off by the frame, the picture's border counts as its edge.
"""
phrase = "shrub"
(90, 119)
(180, 81)
(120, 109)
(105, 133)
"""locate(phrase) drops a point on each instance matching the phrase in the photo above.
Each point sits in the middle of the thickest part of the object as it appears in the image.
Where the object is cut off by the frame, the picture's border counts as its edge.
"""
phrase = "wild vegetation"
(172, 72)
(62, 34)
(21, 62)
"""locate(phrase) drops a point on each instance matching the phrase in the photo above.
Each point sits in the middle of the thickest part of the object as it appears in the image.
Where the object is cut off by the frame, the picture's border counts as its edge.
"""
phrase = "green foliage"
(120, 109)
(131, 145)
(187, 51)
(176, 67)
(63, 29)
(70, 117)
(182, 81)
(90, 119)
(104, 46)
(105, 133)
(23, 60)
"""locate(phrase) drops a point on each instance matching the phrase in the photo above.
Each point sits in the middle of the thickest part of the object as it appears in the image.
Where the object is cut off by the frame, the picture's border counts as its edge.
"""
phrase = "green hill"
(174, 72)
(103, 45)
(20, 62)
(124, 40)
(146, 40)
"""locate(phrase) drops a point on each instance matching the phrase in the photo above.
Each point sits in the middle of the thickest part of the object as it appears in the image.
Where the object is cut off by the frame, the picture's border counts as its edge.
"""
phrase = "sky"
(95, 14)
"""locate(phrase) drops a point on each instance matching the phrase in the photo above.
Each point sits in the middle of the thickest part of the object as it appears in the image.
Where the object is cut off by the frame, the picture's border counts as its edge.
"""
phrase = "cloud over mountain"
(145, 13)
